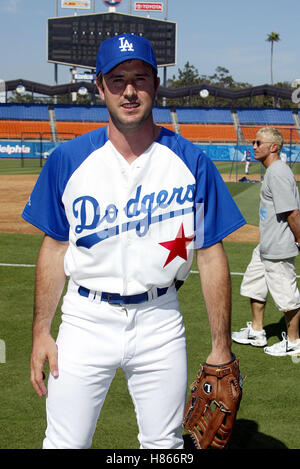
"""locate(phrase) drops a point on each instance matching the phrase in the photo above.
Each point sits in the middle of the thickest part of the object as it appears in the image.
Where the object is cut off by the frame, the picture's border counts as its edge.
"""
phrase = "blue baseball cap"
(124, 47)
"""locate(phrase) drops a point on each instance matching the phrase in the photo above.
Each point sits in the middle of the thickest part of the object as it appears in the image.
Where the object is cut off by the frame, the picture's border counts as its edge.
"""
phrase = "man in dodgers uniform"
(122, 209)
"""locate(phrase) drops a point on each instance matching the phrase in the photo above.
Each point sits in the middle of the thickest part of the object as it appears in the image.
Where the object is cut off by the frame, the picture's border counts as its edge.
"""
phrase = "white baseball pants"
(147, 341)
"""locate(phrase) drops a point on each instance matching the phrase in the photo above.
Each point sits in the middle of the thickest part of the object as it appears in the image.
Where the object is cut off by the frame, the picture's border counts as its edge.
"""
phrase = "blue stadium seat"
(100, 114)
(81, 113)
(14, 111)
(266, 116)
(204, 116)
(162, 115)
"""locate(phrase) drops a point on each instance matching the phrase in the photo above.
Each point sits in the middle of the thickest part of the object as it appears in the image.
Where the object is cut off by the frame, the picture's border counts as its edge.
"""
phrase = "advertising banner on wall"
(29, 149)
(217, 152)
(148, 6)
(80, 4)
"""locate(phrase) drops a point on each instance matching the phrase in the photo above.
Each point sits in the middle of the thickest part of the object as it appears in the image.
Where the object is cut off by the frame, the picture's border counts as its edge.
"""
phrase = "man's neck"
(134, 142)
(270, 160)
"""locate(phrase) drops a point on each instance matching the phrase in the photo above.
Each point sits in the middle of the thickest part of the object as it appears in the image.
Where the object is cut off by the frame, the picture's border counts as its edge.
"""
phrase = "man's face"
(262, 146)
(129, 93)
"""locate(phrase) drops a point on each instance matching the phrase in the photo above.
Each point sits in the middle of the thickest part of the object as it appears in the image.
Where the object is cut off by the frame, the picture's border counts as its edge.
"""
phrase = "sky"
(211, 33)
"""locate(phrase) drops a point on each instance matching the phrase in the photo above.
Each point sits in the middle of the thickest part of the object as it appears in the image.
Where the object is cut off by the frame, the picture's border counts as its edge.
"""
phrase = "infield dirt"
(15, 190)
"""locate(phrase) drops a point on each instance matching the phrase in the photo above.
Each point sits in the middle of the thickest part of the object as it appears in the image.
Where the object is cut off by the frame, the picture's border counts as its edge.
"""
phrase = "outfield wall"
(232, 152)
(34, 149)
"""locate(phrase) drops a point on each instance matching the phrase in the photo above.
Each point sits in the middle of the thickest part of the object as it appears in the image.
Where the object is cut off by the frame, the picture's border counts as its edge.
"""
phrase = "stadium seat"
(290, 134)
(74, 129)
(18, 129)
(74, 120)
(266, 116)
(19, 121)
(166, 126)
(162, 115)
(75, 113)
(68, 130)
(204, 116)
(209, 132)
(15, 111)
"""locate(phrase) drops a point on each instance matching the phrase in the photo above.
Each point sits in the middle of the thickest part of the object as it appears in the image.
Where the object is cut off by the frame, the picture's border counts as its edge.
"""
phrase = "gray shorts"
(278, 277)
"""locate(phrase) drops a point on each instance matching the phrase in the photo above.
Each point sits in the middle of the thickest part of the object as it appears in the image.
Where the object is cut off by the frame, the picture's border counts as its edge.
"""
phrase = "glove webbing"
(215, 418)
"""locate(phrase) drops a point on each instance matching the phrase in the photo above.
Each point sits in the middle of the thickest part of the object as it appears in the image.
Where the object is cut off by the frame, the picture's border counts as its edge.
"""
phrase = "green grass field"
(15, 166)
(269, 413)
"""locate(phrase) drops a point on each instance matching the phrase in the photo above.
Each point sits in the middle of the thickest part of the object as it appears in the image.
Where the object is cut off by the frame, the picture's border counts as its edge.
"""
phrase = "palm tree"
(272, 37)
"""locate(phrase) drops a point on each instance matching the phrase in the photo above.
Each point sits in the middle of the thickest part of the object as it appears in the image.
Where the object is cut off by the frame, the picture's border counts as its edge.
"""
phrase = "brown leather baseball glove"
(210, 412)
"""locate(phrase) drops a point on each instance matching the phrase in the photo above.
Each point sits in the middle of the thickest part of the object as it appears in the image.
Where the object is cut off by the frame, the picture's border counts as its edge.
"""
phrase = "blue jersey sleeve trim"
(45, 208)
(44, 229)
(221, 236)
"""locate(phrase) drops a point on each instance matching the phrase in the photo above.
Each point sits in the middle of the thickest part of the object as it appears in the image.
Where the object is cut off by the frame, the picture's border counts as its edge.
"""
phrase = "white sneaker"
(283, 348)
(248, 336)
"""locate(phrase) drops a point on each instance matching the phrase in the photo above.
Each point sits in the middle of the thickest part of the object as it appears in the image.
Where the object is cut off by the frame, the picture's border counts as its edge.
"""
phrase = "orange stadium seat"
(19, 128)
(65, 128)
(77, 128)
(166, 126)
(209, 132)
(249, 133)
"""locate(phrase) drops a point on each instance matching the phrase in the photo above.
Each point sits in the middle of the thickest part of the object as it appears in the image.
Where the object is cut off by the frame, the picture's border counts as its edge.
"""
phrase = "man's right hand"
(44, 349)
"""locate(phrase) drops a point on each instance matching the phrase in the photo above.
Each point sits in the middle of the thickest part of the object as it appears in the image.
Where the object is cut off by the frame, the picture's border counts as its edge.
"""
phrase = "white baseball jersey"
(134, 226)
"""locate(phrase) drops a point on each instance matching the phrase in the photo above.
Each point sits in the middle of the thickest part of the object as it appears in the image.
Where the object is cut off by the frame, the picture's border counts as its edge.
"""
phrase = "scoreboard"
(75, 40)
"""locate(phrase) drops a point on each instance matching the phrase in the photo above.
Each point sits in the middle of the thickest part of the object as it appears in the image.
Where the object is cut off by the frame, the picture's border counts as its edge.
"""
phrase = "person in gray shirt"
(272, 266)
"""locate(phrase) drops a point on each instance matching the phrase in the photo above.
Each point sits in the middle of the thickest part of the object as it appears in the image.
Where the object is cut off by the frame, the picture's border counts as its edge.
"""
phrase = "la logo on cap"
(125, 45)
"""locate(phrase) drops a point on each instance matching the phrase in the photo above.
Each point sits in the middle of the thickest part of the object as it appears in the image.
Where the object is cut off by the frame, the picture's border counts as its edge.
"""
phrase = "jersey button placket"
(130, 235)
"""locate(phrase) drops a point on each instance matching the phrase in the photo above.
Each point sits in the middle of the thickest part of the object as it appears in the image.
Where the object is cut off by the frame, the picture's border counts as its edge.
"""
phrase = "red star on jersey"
(177, 246)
